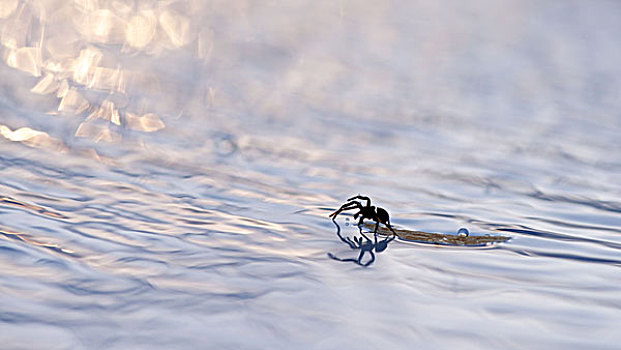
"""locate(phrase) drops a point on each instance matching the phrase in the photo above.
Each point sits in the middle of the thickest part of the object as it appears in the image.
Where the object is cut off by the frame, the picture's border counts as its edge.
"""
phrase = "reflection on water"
(84, 63)
(33, 138)
(171, 165)
(364, 244)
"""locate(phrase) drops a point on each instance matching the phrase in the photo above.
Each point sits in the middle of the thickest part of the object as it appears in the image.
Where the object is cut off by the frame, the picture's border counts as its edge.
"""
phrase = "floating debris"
(460, 239)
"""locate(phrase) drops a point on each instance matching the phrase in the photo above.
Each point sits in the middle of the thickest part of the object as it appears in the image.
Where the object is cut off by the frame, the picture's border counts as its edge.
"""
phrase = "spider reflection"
(364, 244)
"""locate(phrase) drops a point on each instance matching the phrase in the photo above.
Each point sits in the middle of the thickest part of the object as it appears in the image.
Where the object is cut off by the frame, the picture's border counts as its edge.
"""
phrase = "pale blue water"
(167, 170)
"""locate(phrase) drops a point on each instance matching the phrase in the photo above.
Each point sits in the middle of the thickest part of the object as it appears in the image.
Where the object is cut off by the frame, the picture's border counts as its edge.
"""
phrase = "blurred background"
(167, 168)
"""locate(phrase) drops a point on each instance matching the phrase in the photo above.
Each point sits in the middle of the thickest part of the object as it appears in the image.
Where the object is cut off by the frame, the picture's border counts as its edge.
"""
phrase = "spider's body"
(367, 211)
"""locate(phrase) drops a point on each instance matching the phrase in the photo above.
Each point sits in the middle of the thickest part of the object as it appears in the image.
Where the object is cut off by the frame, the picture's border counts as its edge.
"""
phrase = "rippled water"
(167, 170)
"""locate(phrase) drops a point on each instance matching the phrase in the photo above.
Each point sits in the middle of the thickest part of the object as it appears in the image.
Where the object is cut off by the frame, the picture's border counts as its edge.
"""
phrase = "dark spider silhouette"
(365, 245)
(368, 211)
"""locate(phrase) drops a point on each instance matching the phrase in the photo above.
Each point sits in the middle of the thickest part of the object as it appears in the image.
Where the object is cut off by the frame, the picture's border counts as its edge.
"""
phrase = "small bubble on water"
(225, 145)
(463, 232)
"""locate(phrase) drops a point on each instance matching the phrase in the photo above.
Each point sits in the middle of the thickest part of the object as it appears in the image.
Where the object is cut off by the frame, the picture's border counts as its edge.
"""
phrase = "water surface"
(167, 171)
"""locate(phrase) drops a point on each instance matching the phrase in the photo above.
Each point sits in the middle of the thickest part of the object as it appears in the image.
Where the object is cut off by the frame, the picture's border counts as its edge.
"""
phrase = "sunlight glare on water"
(167, 170)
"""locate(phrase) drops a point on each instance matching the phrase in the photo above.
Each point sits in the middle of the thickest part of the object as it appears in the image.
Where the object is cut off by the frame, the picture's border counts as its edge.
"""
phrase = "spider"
(368, 211)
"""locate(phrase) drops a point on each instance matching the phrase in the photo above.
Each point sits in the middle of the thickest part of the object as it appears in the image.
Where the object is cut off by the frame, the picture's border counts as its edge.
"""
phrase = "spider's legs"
(384, 218)
(390, 227)
(346, 206)
(365, 237)
(363, 198)
(343, 207)
(360, 221)
(376, 226)
(362, 233)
